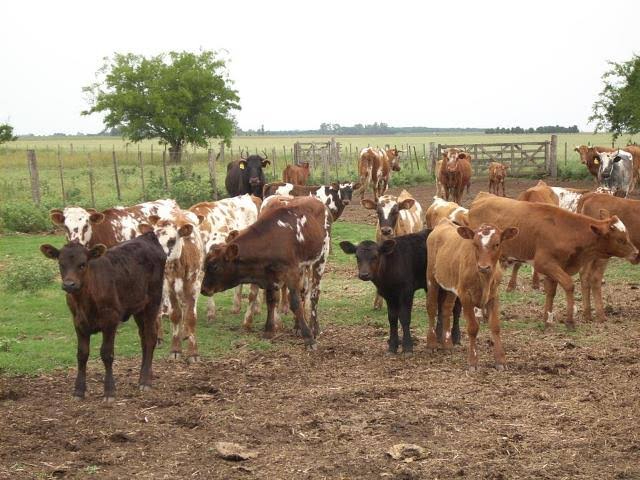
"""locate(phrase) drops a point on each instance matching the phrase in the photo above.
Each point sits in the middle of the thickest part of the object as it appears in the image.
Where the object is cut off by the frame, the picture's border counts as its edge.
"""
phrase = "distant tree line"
(545, 129)
(357, 129)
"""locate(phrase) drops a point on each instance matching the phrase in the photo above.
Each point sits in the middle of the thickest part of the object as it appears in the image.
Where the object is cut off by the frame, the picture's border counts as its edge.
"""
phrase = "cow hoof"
(78, 398)
(571, 327)
(248, 327)
(193, 359)
(312, 346)
(473, 368)
(109, 400)
(268, 334)
(175, 356)
(144, 388)
(500, 367)
(407, 353)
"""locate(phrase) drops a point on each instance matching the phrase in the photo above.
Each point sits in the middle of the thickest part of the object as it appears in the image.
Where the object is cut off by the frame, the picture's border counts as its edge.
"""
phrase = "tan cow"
(396, 216)
(593, 205)
(455, 173)
(558, 243)
(440, 209)
(497, 174)
(464, 263)
(296, 174)
(375, 166)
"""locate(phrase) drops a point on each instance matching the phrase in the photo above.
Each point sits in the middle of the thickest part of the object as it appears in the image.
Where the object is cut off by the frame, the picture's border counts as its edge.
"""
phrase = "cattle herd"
(153, 260)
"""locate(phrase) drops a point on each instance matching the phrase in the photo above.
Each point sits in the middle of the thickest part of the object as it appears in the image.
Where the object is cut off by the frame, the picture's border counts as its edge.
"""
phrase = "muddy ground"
(567, 407)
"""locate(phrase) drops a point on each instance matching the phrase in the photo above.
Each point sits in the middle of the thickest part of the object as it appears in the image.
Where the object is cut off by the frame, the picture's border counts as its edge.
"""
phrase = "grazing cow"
(375, 166)
(335, 196)
(182, 243)
(558, 243)
(104, 288)
(455, 173)
(464, 263)
(497, 174)
(440, 209)
(217, 220)
(296, 174)
(287, 246)
(396, 216)
(589, 157)
(616, 172)
(628, 211)
(397, 268)
(110, 226)
(246, 176)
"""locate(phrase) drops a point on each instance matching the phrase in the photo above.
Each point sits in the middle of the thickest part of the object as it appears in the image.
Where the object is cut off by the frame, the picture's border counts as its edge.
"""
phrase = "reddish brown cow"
(455, 174)
(464, 263)
(287, 246)
(375, 166)
(497, 174)
(558, 243)
(593, 205)
(104, 288)
(296, 174)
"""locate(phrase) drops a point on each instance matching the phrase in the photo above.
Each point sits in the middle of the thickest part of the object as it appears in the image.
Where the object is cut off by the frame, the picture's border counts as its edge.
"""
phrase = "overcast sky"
(299, 63)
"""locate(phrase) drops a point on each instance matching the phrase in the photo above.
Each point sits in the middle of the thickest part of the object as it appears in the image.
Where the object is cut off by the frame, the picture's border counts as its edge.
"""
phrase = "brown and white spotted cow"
(440, 209)
(497, 174)
(217, 220)
(375, 166)
(287, 245)
(464, 263)
(112, 226)
(455, 173)
(397, 216)
(181, 241)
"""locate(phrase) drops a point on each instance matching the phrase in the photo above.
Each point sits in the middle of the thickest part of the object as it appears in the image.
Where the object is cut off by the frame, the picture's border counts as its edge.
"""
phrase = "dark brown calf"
(296, 174)
(104, 288)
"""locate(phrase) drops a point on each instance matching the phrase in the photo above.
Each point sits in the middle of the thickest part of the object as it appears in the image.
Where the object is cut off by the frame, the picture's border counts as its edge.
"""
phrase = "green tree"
(6, 133)
(618, 106)
(181, 98)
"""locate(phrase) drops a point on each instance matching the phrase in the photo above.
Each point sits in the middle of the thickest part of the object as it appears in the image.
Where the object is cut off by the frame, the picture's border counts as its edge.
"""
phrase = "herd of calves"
(154, 259)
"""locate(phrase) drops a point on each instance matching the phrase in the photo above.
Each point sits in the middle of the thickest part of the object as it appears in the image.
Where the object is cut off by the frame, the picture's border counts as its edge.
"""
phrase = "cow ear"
(509, 233)
(335, 186)
(306, 165)
(231, 252)
(596, 229)
(232, 234)
(145, 228)
(348, 247)
(50, 251)
(153, 219)
(97, 251)
(57, 217)
(185, 230)
(265, 163)
(356, 186)
(96, 218)
(369, 204)
(466, 233)
(91, 210)
(242, 164)
(406, 204)
(200, 219)
(604, 214)
(387, 247)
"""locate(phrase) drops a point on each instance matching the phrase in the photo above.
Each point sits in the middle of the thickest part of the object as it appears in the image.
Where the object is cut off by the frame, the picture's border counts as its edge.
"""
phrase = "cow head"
(393, 154)
(345, 191)
(388, 210)
(614, 170)
(220, 268)
(76, 222)
(170, 234)
(487, 242)
(252, 172)
(368, 255)
(74, 260)
(613, 238)
(500, 171)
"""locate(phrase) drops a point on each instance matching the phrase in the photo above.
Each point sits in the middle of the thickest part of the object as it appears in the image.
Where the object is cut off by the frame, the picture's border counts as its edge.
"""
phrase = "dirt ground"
(567, 407)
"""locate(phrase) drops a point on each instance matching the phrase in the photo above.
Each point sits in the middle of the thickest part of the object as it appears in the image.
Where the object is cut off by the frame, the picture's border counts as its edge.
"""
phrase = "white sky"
(299, 63)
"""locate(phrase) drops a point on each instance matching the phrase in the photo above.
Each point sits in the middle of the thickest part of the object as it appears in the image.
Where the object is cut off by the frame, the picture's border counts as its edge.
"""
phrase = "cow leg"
(455, 330)
(566, 282)
(472, 330)
(586, 285)
(148, 333)
(176, 328)
(190, 317)
(273, 323)
(284, 300)
(393, 311)
(253, 309)
(513, 281)
(490, 186)
(165, 310)
(377, 302)
(237, 300)
(447, 309)
(432, 312)
(405, 320)
(550, 287)
(493, 307)
(82, 356)
(535, 280)
(596, 285)
(211, 310)
(316, 277)
(298, 311)
(106, 354)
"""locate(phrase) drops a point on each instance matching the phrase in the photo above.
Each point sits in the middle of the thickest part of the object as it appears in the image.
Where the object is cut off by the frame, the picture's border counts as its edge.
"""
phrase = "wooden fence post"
(144, 193)
(565, 155)
(212, 173)
(90, 166)
(164, 169)
(433, 154)
(115, 171)
(554, 156)
(32, 164)
(61, 176)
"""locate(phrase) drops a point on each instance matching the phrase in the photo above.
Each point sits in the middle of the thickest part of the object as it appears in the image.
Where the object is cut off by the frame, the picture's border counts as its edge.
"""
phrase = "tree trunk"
(175, 153)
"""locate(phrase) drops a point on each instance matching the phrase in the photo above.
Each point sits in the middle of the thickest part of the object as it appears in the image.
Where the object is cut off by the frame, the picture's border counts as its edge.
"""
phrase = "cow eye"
(82, 266)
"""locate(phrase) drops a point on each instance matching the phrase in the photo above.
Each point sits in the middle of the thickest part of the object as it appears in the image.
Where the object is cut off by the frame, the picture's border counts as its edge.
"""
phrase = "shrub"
(28, 275)
(24, 217)
(184, 187)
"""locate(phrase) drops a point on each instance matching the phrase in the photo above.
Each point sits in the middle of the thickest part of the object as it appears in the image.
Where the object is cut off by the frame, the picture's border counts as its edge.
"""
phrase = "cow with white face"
(616, 172)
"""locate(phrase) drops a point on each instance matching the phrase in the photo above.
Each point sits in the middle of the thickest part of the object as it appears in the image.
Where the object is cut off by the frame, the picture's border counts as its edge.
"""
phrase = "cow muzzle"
(484, 269)
(366, 276)
(386, 231)
(254, 181)
(70, 286)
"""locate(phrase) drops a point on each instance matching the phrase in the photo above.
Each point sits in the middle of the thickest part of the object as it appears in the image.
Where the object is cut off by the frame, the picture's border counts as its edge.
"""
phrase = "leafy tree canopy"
(181, 98)
(618, 106)
(6, 133)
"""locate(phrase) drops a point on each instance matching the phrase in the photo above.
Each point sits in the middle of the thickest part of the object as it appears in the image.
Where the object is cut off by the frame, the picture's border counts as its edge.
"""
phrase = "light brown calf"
(497, 174)
(296, 174)
(464, 263)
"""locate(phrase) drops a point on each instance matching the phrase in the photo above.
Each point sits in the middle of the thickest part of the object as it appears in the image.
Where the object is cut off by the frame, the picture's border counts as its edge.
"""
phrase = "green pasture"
(36, 333)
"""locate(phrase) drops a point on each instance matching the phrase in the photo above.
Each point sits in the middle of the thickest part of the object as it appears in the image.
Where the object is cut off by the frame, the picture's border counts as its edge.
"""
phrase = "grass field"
(36, 333)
